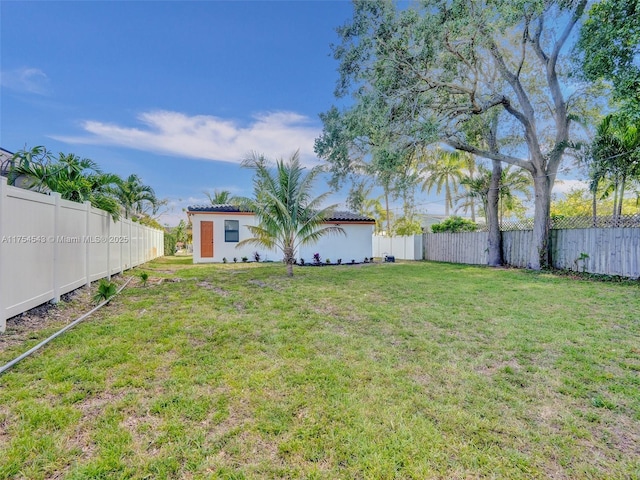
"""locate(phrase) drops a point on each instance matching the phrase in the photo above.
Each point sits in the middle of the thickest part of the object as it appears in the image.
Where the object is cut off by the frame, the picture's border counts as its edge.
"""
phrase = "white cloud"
(206, 137)
(25, 79)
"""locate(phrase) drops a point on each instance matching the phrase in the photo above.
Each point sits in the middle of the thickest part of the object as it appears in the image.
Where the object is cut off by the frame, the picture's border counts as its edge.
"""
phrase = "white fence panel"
(97, 251)
(71, 259)
(50, 246)
(403, 247)
(115, 247)
(25, 252)
(135, 245)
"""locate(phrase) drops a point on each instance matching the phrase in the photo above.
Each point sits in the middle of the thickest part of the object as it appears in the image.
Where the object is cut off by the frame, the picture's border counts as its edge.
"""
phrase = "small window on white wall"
(231, 231)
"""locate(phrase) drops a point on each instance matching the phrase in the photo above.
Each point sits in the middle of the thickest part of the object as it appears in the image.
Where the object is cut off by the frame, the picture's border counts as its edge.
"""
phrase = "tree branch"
(465, 147)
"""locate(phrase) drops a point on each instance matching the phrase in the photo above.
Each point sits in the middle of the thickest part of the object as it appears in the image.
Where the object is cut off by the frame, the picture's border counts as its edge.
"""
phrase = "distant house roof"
(219, 208)
(5, 161)
(338, 216)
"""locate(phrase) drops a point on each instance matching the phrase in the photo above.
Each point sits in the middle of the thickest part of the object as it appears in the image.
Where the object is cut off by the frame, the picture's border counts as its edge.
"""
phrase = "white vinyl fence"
(402, 248)
(607, 251)
(50, 246)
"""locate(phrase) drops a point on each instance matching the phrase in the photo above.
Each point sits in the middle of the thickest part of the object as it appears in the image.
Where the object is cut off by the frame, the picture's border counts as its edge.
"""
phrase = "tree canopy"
(443, 70)
(610, 47)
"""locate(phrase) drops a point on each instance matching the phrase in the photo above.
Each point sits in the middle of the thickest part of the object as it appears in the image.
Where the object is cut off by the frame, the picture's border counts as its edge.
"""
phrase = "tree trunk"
(447, 200)
(620, 200)
(494, 257)
(539, 254)
(615, 199)
(594, 206)
(289, 259)
(473, 210)
(386, 206)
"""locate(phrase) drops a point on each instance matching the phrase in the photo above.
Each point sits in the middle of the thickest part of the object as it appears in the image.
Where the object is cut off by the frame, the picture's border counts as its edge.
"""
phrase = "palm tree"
(134, 196)
(512, 180)
(360, 201)
(74, 178)
(443, 170)
(470, 201)
(220, 197)
(476, 187)
(288, 217)
(616, 157)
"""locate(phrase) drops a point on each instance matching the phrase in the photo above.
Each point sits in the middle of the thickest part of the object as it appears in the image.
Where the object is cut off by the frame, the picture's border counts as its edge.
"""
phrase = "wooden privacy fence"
(607, 251)
(50, 246)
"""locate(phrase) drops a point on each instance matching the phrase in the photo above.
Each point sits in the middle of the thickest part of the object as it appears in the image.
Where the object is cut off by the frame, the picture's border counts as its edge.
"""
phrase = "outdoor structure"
(6, 161)
(217, 229)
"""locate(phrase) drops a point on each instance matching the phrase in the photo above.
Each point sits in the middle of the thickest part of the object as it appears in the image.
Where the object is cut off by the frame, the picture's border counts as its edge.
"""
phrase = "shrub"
(235, 259)
(316, 258)
(339, 261)
(169, 243)
(224, 259)
(302, 261)
(106, 290)
(454, 224)
(144, 276)
(245, 259)
(256, 256)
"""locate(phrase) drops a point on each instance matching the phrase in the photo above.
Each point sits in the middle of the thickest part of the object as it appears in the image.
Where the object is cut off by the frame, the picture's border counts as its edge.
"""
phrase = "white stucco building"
(217, 229)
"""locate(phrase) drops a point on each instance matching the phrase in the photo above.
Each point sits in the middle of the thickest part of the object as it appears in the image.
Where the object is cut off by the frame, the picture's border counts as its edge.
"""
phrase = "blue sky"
(176, 92)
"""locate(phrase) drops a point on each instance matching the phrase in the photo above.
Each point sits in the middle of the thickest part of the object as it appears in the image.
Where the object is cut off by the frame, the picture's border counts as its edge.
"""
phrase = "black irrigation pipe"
(6, 367)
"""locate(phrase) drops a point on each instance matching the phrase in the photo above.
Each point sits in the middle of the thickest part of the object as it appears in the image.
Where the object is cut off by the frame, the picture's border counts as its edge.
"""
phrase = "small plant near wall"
(245, 259)
(106, 290)
(582, 258)
(256, 256)
(224, 259)
(339, 261)
(327, 261)
(144, 276)
(235, 259)
(366, 260)
(302, 261)
(353, 261)
(316, 258)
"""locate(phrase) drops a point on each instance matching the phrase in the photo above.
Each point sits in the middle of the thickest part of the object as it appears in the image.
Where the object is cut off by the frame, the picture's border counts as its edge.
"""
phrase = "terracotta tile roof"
(338, 216)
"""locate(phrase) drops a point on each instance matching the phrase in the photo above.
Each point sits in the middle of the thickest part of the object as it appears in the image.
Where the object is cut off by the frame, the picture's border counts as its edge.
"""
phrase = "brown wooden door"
(206, 239)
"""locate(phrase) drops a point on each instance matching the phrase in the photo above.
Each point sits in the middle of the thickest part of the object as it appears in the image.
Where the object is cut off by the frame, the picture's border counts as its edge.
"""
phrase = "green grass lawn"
(415, 370)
